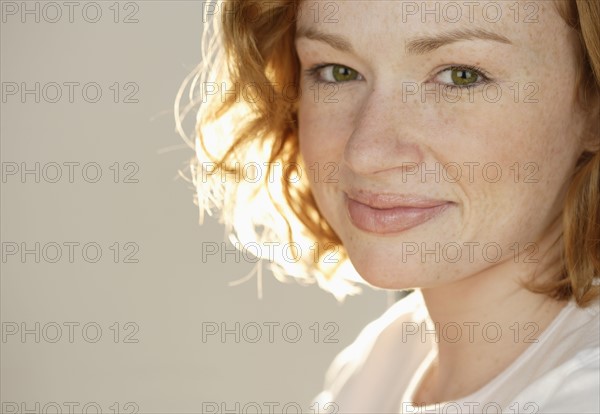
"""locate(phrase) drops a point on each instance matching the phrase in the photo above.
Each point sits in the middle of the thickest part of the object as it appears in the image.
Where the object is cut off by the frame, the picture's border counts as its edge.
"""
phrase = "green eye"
(332, 73)
(461, 77)
(343, 73)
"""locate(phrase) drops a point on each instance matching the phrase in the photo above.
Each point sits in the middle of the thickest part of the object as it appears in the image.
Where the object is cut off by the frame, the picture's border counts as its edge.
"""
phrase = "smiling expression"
(455, 138)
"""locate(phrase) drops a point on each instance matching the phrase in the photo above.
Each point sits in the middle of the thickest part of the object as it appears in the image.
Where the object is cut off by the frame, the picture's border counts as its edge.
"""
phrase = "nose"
(385, 137)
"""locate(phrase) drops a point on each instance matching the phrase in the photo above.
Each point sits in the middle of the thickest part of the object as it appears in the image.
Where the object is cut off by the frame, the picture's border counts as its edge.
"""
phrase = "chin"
(387, 275)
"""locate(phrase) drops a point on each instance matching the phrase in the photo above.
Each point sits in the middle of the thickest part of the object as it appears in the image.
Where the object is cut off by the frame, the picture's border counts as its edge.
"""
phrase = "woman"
(452, 148)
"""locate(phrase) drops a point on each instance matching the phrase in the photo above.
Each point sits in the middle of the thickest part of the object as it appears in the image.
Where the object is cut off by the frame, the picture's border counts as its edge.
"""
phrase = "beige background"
(170, 292)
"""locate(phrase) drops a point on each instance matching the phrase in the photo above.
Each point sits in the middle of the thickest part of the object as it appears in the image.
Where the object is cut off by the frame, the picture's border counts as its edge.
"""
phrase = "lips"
(391, 213)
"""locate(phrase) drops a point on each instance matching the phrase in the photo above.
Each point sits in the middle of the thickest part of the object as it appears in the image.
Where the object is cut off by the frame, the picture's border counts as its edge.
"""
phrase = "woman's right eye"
(333, 73)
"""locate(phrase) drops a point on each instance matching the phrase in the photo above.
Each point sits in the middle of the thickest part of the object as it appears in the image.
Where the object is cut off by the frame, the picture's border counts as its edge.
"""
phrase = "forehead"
(384, 20)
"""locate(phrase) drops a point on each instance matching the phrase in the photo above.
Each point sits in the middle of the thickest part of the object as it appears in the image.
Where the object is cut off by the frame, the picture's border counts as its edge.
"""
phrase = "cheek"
(323, 132)
(322, 135)
(309, 134)
(521, 154)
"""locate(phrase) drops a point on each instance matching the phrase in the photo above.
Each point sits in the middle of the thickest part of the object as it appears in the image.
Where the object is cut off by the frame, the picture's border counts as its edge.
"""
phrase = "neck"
(485, 321)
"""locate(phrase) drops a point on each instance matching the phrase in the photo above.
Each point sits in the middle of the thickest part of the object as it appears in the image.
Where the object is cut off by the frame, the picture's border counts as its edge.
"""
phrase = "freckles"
(449, 114)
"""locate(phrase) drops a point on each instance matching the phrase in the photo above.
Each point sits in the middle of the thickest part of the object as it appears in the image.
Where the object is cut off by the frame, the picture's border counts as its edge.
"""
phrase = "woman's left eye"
(462, 77)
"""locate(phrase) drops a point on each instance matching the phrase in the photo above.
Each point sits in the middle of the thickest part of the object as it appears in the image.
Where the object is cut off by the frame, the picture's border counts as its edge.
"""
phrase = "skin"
(373, 131)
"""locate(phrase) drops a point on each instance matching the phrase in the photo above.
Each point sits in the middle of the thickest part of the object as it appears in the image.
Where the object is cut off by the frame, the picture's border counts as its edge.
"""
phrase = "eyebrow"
(415, 46)
(425, 44)
(335, 41)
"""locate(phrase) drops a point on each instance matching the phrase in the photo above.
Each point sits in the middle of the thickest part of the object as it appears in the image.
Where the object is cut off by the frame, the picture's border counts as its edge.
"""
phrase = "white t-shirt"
(380, 371)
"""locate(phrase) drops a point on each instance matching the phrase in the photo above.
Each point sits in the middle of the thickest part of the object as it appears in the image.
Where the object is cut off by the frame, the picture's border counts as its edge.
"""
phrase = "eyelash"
(485, 78)
(313, 74)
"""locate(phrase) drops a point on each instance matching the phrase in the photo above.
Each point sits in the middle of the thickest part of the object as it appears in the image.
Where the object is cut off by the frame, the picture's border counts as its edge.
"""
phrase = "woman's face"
(438, 137)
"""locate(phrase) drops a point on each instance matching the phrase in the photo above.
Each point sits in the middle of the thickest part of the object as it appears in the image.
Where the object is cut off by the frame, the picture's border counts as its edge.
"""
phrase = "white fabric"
(380, 370)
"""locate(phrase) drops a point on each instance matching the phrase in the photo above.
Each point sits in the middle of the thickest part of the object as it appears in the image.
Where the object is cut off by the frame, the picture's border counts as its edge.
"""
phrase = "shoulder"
(571, 387)
(379, 334)
(572, 384)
